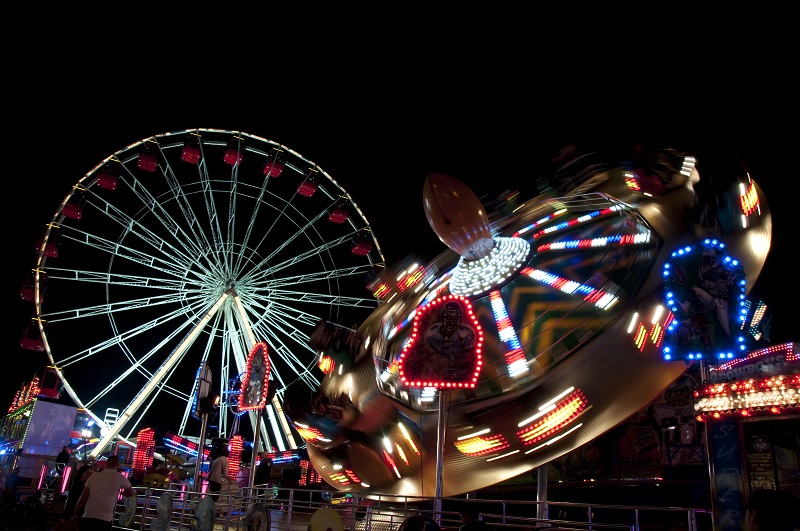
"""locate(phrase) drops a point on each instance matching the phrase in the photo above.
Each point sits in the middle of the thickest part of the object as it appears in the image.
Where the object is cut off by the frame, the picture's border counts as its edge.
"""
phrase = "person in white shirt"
(100, 496)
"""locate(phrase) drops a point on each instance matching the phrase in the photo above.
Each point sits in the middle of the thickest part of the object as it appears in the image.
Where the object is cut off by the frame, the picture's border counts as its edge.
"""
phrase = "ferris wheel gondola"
(186, 248)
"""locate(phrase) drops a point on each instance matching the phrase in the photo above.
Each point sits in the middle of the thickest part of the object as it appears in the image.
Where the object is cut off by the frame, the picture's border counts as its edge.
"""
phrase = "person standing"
(471, 520)
(99, 497)
(219, 472)
(771, 510)
(413, 523)
(62, 460)
(263, 470)
(12, 482)
(9, 498)
(76, 489)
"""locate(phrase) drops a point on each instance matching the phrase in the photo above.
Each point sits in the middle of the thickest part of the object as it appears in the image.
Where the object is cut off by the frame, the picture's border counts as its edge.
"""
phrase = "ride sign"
(254, 385)
(445, 346)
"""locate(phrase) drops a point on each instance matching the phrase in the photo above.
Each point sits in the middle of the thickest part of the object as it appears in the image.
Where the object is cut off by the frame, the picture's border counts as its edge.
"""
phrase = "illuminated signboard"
(445, 346)
(254, 385)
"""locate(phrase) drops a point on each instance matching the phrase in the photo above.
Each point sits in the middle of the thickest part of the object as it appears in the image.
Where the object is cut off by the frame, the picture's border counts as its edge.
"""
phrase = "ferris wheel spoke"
(131, 226)
(287, 376)
(193, 221)
(120, 279)
(114, 249)
(211, 207)
(273, 308)
(310, 277)
(165, 368)
(155, 241)
(262, 196)
(85, 312)
(239, 335)
(156, 208)
(161, 387)
(284, 375)
(316, 252)
(136, 365)
(120, 338)
(319, 298)
(280, 328)
(214, 325)
(301, 227)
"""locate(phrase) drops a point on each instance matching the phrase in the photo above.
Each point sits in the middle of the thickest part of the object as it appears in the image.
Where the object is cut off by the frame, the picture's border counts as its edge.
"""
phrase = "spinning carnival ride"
(536, 332)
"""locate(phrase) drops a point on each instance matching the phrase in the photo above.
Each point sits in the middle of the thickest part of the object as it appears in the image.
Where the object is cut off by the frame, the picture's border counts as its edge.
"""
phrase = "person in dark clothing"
(76, 485)
(62, 460)
(413, 523)
(263, 470)
(9, 497)
(419, 522)
(470, 521)
(773, 510)
(13, 480)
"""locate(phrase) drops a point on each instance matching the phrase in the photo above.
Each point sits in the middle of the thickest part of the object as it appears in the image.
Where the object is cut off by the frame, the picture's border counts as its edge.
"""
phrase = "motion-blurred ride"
(536, 332)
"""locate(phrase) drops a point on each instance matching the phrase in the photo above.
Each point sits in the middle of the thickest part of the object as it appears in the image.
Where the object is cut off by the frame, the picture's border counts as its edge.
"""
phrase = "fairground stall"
(36, 428)
(750, 406)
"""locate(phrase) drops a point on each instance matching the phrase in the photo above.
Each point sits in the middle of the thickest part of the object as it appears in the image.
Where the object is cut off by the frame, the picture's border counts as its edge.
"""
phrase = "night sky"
(380, 135)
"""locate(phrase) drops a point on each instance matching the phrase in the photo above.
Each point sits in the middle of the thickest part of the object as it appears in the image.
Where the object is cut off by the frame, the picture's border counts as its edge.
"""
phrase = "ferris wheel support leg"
(165, 368)
(255, 418)
(255, 452)
(201, 444)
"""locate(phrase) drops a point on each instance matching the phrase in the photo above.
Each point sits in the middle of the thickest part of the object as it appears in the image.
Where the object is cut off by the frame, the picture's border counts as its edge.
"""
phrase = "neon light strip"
(495, 458)
(554, 439)
(749, 200)
(401, 453)
(540, 222)
(412, 279)
(391, 463)
(578, 220)
(309, 433)
(640, 338)
(566, 412)
(600, 298)
(788, 347)
(621, 239)
(515, 357)
(196, 386)
(482, 445)
(403, 323)
(408, 438)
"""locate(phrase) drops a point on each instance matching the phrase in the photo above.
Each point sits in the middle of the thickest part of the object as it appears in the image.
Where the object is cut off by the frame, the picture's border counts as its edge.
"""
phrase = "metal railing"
(293, 509)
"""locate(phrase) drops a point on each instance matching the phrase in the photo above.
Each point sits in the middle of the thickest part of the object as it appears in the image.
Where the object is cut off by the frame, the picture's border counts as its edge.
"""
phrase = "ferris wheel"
(182, 250)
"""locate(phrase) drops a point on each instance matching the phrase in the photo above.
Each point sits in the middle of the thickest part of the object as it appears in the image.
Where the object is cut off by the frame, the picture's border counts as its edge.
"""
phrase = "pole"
(201, 444)
(541, 491)
(85, 437)
(440, 435)
(256, 444)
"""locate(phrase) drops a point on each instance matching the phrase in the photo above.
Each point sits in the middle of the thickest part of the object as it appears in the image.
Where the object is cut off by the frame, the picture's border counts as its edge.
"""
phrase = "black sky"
(379, 130)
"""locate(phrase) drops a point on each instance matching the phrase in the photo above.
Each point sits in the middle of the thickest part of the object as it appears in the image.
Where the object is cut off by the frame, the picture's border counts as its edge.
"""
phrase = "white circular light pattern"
(472, 277)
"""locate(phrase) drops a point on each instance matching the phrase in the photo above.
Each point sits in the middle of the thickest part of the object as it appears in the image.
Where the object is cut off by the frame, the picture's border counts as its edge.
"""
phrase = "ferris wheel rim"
(127, 157)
